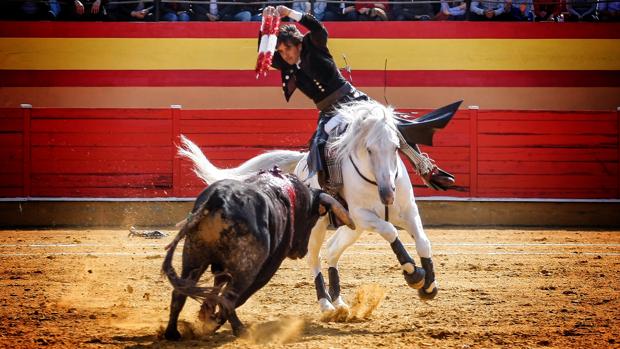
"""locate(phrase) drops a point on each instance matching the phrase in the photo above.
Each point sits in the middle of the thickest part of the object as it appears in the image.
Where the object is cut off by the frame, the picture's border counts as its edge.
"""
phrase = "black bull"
(243, 230)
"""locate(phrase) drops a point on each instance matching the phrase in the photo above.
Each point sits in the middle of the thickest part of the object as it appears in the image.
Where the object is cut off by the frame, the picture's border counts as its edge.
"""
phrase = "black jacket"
(317, 75)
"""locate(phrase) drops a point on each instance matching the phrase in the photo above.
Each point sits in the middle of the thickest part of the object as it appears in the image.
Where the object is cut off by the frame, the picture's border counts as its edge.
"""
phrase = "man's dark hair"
(289, 35)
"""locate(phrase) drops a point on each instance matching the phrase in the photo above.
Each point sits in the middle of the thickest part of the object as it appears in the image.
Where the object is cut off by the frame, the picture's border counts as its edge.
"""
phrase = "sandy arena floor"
(498, 288)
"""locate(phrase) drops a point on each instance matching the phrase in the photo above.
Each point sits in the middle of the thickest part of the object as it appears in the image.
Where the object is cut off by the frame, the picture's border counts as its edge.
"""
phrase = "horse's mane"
(369, 123)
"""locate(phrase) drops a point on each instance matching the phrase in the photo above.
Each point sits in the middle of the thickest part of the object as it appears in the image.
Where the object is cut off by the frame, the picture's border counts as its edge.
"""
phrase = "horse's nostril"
(387, 196)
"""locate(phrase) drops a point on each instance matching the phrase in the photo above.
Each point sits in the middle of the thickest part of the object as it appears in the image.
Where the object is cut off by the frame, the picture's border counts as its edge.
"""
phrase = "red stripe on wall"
(369, 78)
(397, 30)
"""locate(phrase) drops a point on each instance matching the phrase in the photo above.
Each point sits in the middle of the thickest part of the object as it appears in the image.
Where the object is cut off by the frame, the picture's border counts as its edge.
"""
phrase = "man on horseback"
(306, 63)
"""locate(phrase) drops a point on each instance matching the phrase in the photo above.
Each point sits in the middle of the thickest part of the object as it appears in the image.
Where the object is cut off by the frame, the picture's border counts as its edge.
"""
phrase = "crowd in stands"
(325, 10)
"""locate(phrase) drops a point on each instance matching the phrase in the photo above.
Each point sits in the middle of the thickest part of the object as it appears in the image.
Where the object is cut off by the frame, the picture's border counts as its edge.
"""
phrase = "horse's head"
(371, 140)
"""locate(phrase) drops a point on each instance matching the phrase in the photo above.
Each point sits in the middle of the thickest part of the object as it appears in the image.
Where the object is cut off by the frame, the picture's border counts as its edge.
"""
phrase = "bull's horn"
(339, 210)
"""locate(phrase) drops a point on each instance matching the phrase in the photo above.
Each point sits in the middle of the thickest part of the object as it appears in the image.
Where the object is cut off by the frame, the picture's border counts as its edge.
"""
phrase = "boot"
(438, 179)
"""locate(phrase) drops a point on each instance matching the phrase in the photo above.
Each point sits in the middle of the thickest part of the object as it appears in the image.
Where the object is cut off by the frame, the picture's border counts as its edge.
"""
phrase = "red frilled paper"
(268, 38)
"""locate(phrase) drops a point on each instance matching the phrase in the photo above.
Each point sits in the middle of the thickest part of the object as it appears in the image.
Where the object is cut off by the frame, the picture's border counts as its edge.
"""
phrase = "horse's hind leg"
(414, 227)
(337, 244)
(317, 236)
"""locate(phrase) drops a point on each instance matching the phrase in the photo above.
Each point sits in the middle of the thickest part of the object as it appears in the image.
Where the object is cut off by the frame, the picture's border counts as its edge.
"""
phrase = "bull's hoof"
(426, 295)
(415, 279)
(172, 334)
(239, 331)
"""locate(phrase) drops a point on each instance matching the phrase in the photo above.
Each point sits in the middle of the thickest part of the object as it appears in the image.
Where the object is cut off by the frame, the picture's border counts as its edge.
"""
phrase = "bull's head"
(306, 217)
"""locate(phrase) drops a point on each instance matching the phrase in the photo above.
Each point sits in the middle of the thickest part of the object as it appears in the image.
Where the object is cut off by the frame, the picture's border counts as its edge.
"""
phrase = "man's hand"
(212, 18)
(283, 11)
(79, 7)
(489, 14)
(94, 9)
(269, 11)
(139, 14)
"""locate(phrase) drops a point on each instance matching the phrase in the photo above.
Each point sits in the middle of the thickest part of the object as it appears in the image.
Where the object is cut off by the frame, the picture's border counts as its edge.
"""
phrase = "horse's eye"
(369, 151)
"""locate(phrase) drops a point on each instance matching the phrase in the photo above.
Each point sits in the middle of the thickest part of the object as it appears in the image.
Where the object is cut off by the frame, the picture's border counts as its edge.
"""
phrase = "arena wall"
(506, 66)
(130, 153)
(545, 126)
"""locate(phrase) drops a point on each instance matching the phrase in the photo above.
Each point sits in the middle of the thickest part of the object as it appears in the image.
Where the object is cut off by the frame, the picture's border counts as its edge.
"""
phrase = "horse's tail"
(205, 170)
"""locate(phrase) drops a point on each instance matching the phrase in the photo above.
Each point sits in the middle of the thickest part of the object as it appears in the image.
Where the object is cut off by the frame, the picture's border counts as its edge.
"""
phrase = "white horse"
(376, 187)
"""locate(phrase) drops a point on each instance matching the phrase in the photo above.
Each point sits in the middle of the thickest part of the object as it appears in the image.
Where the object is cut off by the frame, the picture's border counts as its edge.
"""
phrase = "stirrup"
(438, 179)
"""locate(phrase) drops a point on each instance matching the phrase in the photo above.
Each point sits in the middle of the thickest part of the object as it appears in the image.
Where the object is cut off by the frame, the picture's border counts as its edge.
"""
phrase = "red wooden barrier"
(11, 152)
(132, 153)
(473, 151)
(26, 172)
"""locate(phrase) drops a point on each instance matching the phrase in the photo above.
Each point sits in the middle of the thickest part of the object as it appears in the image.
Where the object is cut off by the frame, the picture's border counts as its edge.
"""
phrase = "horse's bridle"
(387, 215)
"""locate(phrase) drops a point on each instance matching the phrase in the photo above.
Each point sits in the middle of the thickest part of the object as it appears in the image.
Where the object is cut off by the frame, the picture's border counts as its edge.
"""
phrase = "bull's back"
(234, 218)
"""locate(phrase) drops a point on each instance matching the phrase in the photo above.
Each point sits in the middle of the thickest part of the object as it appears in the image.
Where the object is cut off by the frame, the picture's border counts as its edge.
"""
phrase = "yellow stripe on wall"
(365, 54)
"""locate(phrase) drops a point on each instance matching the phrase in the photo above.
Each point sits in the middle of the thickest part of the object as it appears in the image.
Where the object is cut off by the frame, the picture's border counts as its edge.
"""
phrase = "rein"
(387, 214)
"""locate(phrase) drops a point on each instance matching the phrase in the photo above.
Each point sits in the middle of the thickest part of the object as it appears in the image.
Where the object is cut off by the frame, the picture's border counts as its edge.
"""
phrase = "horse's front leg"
(413, 224)
(317, 236)
(414, 276)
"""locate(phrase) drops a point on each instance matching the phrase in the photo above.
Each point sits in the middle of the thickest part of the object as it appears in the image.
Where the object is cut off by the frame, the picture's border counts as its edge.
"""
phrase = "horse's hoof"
(339, 303)
(342, 310)
(415, 279)
(326, 306)
(426, 295)
(172, 334)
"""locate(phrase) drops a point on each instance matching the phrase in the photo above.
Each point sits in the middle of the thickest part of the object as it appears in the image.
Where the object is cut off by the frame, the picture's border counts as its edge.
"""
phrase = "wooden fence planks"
(132, 152)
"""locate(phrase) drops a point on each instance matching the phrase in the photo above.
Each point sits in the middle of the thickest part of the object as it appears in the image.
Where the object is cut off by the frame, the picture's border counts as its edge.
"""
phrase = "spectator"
(241, 11)
(452, 11)
(415, 10)
(130, 12)
(522, 10)
(174, 11)
(547, 10)
(210, 12)
(39, 10)
(609, 11)
(318, 10)
(487, 10)
(371, 12)
(88, 10)
(341, 11)
(581, 10)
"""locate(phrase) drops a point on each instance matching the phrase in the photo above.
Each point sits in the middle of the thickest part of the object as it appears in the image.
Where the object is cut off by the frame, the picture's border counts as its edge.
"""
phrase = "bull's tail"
(188, 287)
(286, 160)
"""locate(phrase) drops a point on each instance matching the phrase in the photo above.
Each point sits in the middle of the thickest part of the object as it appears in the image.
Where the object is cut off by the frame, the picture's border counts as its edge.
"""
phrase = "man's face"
(289, 53)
